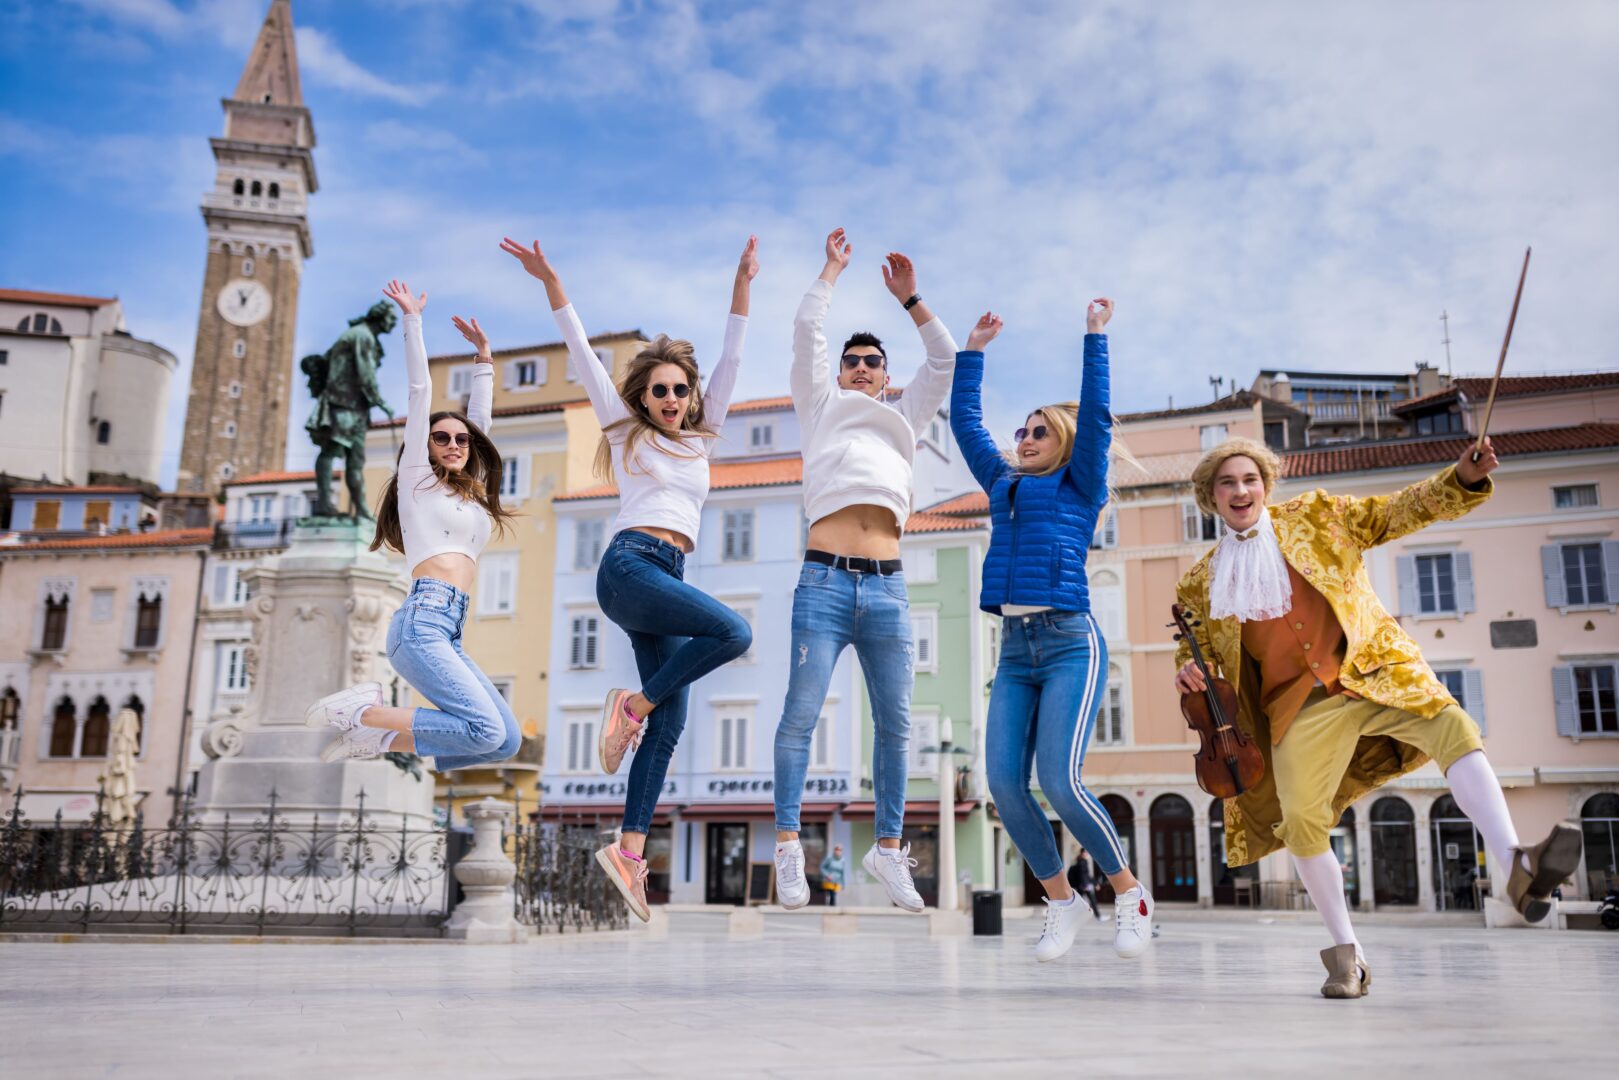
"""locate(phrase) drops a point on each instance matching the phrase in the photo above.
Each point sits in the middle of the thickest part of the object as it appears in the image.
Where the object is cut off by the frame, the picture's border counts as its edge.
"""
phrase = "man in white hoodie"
(858, 446)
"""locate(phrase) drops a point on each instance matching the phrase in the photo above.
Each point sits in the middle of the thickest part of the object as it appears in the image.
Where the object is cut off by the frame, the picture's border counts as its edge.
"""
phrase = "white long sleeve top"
(858, 450)
(433, 518)
(657, 489)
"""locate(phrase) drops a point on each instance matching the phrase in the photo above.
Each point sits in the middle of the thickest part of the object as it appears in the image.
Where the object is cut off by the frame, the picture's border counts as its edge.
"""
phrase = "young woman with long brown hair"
(438, 509)
(658, 429)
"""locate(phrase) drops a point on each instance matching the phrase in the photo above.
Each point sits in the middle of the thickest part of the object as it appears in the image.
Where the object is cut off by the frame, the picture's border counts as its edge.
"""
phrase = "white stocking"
(1324, 880)
(1479, 795)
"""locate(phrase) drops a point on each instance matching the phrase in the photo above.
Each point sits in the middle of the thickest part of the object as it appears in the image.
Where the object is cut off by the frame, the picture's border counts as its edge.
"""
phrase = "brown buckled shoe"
(1347, 974)
(1550, 863)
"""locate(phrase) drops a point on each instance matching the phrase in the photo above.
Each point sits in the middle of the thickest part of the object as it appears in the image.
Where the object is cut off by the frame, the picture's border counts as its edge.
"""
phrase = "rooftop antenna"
(1215, 381)
(1444, 317)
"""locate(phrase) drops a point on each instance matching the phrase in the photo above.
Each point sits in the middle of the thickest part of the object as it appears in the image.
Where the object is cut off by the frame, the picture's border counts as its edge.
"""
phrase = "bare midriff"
(867, 531)
(452, 567)
(668, 536)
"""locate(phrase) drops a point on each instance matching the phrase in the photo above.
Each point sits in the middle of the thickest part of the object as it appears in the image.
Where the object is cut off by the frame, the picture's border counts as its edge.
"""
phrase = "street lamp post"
(948, 889)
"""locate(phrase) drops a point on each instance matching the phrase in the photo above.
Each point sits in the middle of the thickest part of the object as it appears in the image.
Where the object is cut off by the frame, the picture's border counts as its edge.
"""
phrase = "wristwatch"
(916, 298)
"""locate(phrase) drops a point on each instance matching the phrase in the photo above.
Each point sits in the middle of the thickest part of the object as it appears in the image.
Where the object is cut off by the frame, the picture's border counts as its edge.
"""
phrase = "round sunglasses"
(1039, 431)
(442, 438)
(661, 391)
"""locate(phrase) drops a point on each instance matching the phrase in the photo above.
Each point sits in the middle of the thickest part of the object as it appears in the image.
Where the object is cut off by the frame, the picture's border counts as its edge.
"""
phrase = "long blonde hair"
(640, 427)
(1063, 420)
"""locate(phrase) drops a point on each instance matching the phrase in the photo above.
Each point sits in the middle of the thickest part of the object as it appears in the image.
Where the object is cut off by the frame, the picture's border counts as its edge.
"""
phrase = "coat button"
(1298, 626)
(1315, 665)
(1306, 646)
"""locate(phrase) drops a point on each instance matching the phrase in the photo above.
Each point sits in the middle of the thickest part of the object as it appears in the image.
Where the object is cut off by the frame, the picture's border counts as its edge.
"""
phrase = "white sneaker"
(892, 867)
(339, 710)
(1132, 922)
(358, 744)
(1062, 921)
(791, 888)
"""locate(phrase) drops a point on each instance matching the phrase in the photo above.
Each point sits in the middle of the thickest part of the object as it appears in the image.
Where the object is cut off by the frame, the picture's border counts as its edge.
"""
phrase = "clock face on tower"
(243, 302)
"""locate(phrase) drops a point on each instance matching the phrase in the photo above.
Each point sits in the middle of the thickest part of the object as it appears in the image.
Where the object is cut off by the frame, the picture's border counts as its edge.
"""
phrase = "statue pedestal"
(320, 618)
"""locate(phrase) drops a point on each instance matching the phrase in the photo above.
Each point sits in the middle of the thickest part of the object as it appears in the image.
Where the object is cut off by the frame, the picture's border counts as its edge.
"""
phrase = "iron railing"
(559, 887)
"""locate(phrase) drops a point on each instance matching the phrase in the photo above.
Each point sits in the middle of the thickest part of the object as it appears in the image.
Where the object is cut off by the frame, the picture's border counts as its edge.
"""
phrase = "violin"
(1227, 761)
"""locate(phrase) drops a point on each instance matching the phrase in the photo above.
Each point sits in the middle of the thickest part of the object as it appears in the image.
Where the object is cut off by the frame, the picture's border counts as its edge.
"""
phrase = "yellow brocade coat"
(1323, 536)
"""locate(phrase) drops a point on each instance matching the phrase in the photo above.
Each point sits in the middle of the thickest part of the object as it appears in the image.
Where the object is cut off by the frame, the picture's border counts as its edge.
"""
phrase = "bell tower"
(258, 239)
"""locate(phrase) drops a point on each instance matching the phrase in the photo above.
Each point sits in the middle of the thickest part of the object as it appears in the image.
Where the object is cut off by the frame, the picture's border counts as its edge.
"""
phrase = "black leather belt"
(854, 563)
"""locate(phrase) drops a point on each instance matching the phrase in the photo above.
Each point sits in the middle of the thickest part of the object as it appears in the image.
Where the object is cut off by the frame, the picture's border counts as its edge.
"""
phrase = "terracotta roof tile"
(764, 404)
(1360, 457)
(525, 350)
(505, 410)
(86, 489)
(722, 476)
(923, 521)
(168, 538)
(29, 296)
(1477, 388)
(972, 504)
(276, 478)
(1242, 399)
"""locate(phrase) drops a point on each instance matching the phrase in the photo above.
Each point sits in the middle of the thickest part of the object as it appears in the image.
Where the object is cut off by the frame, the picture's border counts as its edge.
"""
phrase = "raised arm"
(1094, 435)
(480, 401)
(593, 375)
(1445, 496)
(419, 403)
(931, 385)
(721, 383)
(811, 379)
(967, 407)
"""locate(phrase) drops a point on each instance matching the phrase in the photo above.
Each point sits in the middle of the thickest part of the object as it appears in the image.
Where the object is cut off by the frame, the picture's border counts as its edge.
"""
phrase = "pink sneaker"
(620, 731)
(628, 876)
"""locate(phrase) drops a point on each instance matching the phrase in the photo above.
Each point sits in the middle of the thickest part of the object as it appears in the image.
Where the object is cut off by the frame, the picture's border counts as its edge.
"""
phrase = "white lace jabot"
(1248, 576)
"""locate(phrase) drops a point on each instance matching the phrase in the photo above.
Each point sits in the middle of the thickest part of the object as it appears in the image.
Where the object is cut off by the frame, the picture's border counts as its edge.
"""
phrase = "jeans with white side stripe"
(1048, 689)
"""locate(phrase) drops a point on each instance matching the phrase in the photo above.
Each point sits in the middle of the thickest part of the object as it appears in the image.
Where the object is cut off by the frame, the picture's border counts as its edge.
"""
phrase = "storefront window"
(1599, 820)
(1394, 852)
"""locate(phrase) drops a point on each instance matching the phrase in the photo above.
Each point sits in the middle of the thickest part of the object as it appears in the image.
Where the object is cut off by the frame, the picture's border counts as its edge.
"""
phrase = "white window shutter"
(1551, 568)
(1406, 575)
(581, 545)
(576, 644)
(1610, 570)
(508, 376)
(221, 584)
(1465, 599)
(1191, 522)
(1473, 692)
(1568, 709)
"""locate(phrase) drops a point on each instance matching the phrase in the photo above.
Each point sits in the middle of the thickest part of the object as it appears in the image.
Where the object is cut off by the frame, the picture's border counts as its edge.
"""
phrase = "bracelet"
(916, 298)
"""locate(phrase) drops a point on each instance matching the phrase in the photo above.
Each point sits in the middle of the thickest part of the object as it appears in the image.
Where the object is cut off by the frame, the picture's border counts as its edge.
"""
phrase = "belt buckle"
(861, 565)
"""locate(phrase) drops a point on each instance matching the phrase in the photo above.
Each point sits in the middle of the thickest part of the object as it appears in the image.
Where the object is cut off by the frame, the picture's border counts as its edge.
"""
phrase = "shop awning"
(754, 811)
(917, 811)
(590, 813)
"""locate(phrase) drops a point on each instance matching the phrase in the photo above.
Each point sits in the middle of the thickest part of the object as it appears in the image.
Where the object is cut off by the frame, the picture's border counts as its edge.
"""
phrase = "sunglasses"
(442, 438)
(873, 361)
(680, 390)
(1039, 431)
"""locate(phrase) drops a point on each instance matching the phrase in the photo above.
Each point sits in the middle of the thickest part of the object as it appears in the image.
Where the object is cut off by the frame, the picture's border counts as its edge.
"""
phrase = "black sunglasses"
(853, 360)
(1039, 431)
(442, 438)
(660, 391)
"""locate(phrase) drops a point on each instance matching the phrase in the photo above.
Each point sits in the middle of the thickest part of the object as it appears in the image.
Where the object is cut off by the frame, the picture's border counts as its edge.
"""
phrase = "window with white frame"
(148, 619)
(1436, 583)
(924, 749)
(1587, 699)
(503, 687)
(1211, 435)
(259, 509)
(1197, 526)
(1581, 573)
(584, 644)
(1106, 536)
(514, 483)
(821, 742)
(526, 373)
(1109, 729)
(589, 538)
(762, 437)
(1107, 604)
(925, 640)
(56, 598)
(579, 741)
(231, 589)
(750, 616)
(738, 536)
(497, 583)
(461, 380)
(232, 680)
(731, 751)
(1574, 496)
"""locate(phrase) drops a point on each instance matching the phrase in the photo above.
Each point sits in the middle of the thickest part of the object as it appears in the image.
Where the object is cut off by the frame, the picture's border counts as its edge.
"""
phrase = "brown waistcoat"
(1302, 648)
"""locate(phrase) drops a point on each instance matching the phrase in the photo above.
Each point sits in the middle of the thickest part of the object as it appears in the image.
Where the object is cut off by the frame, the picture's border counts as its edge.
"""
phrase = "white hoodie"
(857, 448)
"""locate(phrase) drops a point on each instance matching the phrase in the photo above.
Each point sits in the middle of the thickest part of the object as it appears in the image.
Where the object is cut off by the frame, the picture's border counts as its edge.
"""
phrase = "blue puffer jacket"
(1042, 525)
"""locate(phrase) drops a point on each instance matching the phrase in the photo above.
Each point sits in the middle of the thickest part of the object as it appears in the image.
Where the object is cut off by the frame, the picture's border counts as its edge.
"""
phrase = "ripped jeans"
(833, 609)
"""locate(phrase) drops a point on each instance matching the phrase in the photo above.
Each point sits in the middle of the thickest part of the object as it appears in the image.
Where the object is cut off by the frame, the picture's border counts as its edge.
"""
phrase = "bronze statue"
(343, 383)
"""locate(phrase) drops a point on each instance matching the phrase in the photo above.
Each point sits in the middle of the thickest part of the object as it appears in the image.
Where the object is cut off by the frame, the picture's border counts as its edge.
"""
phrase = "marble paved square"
(1218, 998)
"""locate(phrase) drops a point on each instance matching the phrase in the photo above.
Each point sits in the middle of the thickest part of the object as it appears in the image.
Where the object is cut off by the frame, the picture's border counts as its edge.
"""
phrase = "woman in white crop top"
(439, 509)
(659, 425)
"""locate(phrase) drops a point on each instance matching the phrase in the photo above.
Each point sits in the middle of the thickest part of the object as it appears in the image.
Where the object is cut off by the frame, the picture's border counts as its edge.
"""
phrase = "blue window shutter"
(1568, 711)
(1610, 570)
(1465, 600)
(1551, 568)
(1405, 572)
(1473, 693)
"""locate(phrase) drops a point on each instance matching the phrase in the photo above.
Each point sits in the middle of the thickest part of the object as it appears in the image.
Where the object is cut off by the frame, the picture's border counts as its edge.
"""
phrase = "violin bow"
(1489, 406)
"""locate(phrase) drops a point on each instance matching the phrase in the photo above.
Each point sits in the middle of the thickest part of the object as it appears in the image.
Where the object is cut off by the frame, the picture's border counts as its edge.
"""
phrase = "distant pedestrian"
(1083, 881)
(832, 870)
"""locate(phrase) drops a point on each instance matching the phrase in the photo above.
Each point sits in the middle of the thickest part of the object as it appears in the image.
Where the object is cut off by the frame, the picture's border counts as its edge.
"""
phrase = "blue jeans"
(833, 609)
(1048, 688)
(679, 634)
(472, 724)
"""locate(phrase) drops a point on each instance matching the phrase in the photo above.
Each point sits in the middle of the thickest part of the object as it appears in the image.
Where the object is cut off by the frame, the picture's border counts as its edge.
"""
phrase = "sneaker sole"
(1560, 859)
(337, 751)
(794, 907)
(314, 716)
(618, 883)
(870, 866)
(601, 739)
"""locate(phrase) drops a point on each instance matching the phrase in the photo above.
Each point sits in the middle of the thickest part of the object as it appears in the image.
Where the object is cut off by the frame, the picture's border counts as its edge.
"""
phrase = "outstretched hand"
(533, 259)
(984, 331)
(399, 293)
(473, 333)
(1098, 314)
(900, 276)
(748, 266)
(1471, 472)
(838, 250)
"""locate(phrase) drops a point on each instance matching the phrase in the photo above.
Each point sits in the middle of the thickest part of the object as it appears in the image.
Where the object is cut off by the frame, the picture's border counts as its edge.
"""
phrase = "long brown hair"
(638, 425)
(477, 481)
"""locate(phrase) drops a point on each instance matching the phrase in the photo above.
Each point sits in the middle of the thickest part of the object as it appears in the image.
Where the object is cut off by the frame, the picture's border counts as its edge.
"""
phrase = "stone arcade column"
(320, 620)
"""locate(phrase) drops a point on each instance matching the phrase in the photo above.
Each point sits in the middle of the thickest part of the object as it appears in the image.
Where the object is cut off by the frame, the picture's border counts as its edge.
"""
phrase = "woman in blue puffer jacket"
(1044, 504)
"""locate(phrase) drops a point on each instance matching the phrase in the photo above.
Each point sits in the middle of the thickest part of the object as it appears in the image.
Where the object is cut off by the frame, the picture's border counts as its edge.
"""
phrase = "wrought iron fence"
(559, 886)
(345, 874)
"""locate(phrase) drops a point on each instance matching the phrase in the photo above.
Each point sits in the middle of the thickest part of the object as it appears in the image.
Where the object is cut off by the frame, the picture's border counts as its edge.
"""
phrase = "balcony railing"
(1348, 410)
(276, 532)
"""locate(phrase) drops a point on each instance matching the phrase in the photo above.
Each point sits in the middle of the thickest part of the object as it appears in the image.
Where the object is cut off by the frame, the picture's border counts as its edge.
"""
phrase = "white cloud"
(324, 61)
(424, 146)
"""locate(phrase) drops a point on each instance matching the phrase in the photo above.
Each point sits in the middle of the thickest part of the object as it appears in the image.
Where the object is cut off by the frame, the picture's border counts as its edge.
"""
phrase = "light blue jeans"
(833, 609)
(472, 724)
(1048, 688)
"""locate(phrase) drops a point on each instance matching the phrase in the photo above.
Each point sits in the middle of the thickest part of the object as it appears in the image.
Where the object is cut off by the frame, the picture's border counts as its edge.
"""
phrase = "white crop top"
(435, 520)
(665, 491)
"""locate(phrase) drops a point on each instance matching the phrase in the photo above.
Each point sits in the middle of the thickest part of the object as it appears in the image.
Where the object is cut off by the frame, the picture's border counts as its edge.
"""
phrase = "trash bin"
(986, 913)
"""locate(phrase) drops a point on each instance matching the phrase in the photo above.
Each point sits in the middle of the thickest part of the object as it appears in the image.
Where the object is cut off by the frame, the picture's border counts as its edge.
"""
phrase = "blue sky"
(1256, 184)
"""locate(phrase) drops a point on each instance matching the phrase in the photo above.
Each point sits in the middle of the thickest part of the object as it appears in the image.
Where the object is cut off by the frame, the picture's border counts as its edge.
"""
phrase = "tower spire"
(271, 74)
